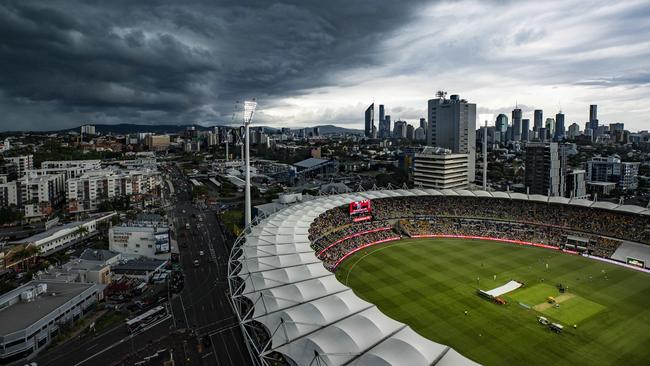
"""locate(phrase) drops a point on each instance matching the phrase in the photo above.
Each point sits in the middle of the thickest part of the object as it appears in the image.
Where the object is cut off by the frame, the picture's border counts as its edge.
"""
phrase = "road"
(201, 328)
(203, 305)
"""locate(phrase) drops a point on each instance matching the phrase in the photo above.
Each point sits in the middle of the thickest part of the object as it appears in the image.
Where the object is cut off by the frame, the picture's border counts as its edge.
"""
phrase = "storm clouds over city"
(64, 63)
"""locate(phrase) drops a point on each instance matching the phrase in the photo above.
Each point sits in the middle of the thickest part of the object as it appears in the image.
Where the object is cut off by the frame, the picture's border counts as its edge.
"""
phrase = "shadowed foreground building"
(33, 314)
(545, 165)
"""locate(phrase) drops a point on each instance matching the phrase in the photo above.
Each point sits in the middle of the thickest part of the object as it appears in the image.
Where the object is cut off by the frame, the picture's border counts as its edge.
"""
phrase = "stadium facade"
(293, 310)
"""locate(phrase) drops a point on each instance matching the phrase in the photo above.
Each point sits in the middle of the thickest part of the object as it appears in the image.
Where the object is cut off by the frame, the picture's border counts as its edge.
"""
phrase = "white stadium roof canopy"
(310, 314)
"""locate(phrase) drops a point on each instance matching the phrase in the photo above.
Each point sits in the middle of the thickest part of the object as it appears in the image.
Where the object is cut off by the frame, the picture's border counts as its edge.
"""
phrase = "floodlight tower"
(249, 109)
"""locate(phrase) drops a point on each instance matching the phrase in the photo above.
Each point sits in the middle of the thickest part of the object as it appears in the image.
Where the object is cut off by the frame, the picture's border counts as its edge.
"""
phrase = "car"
(196, 263)
(201, 253)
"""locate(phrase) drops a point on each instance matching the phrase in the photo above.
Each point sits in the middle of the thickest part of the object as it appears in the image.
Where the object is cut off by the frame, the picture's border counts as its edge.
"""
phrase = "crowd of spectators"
(328, 221)
(538, 234)
(603, 247)
(530, 221)
(346, 231)
(583, 219)
(336, 252)
(493, 229)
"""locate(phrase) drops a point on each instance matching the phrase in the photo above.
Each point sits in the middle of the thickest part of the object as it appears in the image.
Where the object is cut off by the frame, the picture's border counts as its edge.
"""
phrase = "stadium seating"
(334, 234)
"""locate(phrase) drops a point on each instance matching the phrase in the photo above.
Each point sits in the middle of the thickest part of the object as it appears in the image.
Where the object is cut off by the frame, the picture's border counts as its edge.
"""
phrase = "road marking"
(214, 350)
(122, 340)
(226, 344)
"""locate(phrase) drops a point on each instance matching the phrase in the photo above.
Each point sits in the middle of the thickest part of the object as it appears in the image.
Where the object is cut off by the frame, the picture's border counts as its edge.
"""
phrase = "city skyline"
(67, 64)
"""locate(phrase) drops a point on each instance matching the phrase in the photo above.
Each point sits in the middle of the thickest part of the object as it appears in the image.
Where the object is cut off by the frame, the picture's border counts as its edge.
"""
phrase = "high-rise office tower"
(383, 133)
(559, 126)
(452, 125)
(423, 123)
(593, 117)
(501, 123)
(525, 129)
(388, 128)
(545, 168)
(516, 124)
(573, 131)
(538, 119)
(370, 120)
(410, 132)
(400, 130)
(501, 128)
(616, 127)
(550, 128)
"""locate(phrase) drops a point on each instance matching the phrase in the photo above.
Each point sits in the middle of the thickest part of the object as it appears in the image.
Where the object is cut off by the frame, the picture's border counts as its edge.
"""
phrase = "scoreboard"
(360, 207)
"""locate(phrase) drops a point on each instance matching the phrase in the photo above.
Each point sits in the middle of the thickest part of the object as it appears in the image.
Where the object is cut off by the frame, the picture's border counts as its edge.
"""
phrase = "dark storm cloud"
(166, 61)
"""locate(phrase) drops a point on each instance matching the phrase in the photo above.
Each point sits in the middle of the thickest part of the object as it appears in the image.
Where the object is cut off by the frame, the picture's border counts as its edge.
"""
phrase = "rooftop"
(23, 314)
(311, 162)
(97, 255)
(140, 264)
(50, 232)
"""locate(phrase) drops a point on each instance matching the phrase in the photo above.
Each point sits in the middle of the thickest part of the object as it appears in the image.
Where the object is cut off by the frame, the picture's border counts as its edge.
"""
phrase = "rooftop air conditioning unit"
(27, 296)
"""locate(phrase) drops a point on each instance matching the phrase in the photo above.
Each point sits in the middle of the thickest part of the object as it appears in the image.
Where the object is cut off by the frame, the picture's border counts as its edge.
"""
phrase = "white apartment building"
(36, 195)
(23, 163)
(39, 195)
(88, 129)
(62, 164)
(85, 193)
(9, 194)
(439, 168)
(69, 172)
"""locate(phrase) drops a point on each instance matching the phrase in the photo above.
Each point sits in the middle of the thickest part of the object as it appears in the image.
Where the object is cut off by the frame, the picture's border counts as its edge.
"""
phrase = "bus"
(146, 318)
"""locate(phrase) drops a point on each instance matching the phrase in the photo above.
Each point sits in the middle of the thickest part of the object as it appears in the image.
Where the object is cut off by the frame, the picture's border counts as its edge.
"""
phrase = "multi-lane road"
(203, 305)
(201, 328)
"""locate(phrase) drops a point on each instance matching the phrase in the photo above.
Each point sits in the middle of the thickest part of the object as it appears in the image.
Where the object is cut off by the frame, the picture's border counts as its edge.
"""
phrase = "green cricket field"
(431, 285)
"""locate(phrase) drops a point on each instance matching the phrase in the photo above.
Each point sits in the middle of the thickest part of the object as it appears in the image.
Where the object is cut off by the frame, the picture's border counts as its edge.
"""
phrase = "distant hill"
(331, 129)
(130, 128)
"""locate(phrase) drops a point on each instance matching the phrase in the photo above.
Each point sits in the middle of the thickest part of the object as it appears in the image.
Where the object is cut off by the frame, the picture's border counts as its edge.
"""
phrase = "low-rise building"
(78, 270)
(139, 268)
(61, 237)
(148, 236)
(31, 315)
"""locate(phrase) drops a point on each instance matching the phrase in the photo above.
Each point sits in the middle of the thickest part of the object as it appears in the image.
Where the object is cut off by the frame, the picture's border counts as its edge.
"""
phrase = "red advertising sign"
(360, 207)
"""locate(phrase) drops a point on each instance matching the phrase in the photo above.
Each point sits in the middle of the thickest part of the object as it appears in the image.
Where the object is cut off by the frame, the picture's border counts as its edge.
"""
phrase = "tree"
(81, 231)
(25, 256)
(10, 214)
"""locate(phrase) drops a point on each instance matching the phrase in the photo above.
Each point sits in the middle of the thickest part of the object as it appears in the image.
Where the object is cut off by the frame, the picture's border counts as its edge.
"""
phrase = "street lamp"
(249, 109)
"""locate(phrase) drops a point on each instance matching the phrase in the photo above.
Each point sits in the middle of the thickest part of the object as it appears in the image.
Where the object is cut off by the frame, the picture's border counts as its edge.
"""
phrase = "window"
(15, 343)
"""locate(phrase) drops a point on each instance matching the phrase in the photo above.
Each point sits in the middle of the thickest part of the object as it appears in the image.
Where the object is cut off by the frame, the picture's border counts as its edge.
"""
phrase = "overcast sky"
(64, 63)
